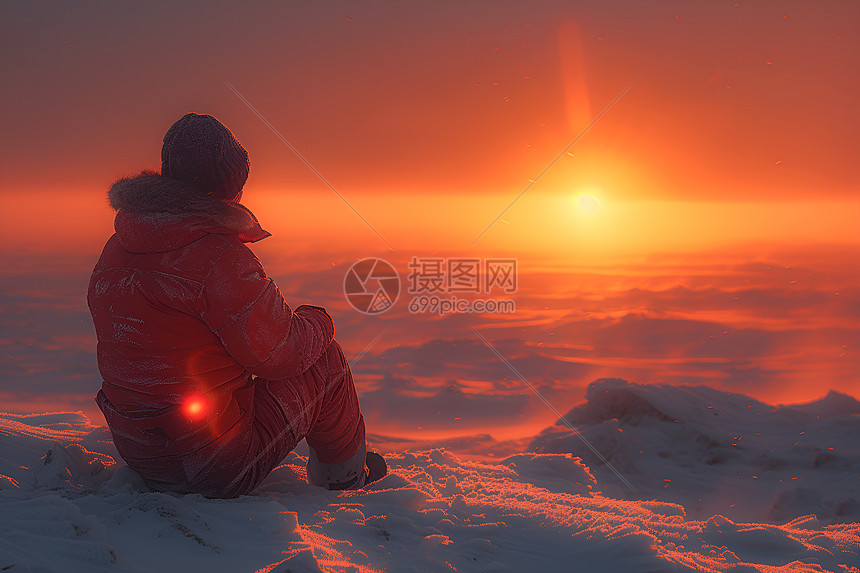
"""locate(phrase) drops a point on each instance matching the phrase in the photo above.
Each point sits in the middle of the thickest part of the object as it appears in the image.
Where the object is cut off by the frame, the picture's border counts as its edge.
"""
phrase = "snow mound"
(834, 404)
(80, 508)
(555, 472)
(716, 452)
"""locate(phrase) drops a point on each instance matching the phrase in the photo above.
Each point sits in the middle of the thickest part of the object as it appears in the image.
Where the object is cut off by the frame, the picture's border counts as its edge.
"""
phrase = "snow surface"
(717, 452)
(68, 503)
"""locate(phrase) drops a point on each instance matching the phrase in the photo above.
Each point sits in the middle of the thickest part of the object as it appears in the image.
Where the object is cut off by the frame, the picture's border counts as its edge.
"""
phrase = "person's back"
(210, 378)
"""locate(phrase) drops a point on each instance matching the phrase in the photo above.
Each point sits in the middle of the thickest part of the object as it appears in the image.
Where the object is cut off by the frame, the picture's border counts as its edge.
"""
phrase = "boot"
(376, 467)
(350, 474)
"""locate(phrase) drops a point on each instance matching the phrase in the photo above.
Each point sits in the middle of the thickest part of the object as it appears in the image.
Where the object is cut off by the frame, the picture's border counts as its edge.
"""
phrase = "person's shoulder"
(227, 244)
(110, 255)
(229, 253)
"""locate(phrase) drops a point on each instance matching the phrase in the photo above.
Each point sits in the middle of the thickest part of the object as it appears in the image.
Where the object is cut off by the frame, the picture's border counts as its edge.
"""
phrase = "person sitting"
(209, 377)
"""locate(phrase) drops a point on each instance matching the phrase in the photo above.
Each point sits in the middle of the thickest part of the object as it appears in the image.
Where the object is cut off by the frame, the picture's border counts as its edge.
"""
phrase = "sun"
(587, 204)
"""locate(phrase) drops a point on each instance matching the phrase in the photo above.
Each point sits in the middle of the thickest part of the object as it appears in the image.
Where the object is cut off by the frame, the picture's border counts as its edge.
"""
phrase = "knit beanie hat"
(200, 150)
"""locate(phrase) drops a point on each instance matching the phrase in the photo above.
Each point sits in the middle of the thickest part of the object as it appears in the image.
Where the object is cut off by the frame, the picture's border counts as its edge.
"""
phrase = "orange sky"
(540, 226)
(447, 113)
(733, 147)
(751, 101)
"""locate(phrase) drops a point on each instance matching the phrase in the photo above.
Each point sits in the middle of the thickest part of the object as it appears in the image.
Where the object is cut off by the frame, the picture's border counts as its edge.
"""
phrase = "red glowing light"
(194, 407)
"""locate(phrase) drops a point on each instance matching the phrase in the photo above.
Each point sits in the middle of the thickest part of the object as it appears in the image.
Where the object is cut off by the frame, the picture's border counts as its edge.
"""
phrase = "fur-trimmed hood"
(156, 214)
(149, 192)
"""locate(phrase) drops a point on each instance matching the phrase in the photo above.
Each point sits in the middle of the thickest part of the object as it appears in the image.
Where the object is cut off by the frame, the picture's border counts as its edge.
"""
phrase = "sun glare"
(588, 204)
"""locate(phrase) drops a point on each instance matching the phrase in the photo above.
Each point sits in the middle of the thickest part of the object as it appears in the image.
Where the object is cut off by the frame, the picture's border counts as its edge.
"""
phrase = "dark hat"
(200, 150)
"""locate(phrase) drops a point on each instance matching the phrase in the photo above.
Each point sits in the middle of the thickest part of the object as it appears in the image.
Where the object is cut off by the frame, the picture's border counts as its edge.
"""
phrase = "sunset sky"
(702, 231)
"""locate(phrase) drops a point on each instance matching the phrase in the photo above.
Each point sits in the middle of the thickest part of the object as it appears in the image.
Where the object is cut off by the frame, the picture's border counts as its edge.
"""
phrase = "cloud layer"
(778, 332)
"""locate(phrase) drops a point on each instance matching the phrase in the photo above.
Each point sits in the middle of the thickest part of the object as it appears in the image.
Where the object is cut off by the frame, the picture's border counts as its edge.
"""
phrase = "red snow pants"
(320, 405)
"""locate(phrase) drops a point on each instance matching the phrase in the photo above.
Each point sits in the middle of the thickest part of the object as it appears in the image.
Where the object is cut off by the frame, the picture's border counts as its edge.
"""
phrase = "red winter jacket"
(184, 313)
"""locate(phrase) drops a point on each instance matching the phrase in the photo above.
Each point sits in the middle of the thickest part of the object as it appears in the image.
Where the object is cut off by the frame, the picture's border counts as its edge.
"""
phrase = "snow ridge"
(718, 452)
